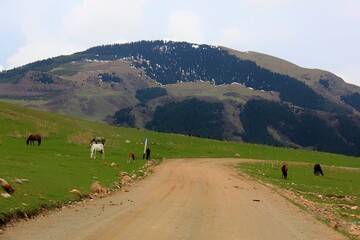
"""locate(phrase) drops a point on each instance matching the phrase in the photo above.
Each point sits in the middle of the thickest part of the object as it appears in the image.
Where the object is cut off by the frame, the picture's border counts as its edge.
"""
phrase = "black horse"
(147, 153)
(32, 138)
(317, 170)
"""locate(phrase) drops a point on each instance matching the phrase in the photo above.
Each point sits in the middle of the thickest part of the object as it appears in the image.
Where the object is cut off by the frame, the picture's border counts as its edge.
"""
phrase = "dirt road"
(184, 199)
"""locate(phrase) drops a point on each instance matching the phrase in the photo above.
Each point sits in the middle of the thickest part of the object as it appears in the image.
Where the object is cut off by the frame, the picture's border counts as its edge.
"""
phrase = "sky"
(323, 34)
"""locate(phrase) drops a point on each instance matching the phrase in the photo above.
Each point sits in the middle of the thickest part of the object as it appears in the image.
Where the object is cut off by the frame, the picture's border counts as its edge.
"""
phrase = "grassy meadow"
(62, 161)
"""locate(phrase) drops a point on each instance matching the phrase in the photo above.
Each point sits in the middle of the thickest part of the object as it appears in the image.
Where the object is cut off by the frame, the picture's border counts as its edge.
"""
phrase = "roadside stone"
(98, 190)
(5, 195)
(3, 181)
(333, 224)
(355, 233)
(17, 180)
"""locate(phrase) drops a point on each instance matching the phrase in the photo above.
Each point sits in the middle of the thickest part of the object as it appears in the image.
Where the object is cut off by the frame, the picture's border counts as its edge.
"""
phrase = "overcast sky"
(321, 34)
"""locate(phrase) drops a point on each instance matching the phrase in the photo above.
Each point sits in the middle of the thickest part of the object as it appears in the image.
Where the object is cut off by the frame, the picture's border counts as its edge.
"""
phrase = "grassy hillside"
(62, 161)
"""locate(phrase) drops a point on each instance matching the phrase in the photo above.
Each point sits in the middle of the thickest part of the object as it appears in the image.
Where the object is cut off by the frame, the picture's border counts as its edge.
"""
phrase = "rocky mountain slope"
(200, 90)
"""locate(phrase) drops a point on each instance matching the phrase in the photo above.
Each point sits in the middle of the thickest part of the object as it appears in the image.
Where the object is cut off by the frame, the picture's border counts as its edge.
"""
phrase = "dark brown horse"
(32, 138)
(148, 153)
(284, 170)
(317, 170)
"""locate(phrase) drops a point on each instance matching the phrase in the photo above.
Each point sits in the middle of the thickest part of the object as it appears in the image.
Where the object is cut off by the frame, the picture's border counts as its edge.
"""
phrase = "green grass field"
(62, 162)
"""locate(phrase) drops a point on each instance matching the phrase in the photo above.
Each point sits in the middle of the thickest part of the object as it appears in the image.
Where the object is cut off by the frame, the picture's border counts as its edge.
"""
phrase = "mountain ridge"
(134, 84)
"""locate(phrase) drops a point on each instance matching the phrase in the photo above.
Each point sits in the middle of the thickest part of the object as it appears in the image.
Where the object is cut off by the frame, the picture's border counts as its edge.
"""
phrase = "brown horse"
(284, 170)
(131, 157)
(32, 138)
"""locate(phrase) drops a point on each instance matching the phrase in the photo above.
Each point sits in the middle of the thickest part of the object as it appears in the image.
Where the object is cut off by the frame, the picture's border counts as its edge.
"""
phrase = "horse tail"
(103, 151)
(27, 141)
(39, 141)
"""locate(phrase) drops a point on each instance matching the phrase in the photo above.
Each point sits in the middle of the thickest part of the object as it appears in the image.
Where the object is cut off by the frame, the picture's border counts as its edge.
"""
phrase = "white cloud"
(1, 68)
(272, 3)
(230, 37)
(184, 26)
(351, 10)
(98, 22)
(77, 28)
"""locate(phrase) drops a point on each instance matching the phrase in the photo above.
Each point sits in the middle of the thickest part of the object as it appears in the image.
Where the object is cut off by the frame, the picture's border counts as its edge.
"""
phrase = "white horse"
(97, 147)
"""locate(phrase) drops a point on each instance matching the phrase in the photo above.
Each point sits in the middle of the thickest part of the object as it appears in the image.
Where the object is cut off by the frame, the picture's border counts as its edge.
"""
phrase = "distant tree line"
(353, 100)
(191, 117)
(304, 128)
(41, 77)
(123, 117)
(324, 83)
(110, 78)
(146, 94)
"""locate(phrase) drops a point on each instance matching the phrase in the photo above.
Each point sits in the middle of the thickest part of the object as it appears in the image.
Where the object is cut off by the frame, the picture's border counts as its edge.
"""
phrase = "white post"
(145, 144)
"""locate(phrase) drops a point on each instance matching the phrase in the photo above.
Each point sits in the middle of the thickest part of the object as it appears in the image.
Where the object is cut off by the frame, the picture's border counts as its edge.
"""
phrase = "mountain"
(195, 89)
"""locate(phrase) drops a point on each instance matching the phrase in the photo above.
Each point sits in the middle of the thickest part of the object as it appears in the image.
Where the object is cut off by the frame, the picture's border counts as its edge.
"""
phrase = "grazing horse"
(98, 140)
(32, 138)
(97, 147)
(147, 153)
(284, 170)
(9, 189)
(131, 157)
(317, 170)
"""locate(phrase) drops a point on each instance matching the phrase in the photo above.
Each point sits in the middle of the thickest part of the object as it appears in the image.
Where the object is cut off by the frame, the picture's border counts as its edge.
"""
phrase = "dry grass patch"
(80, 138)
